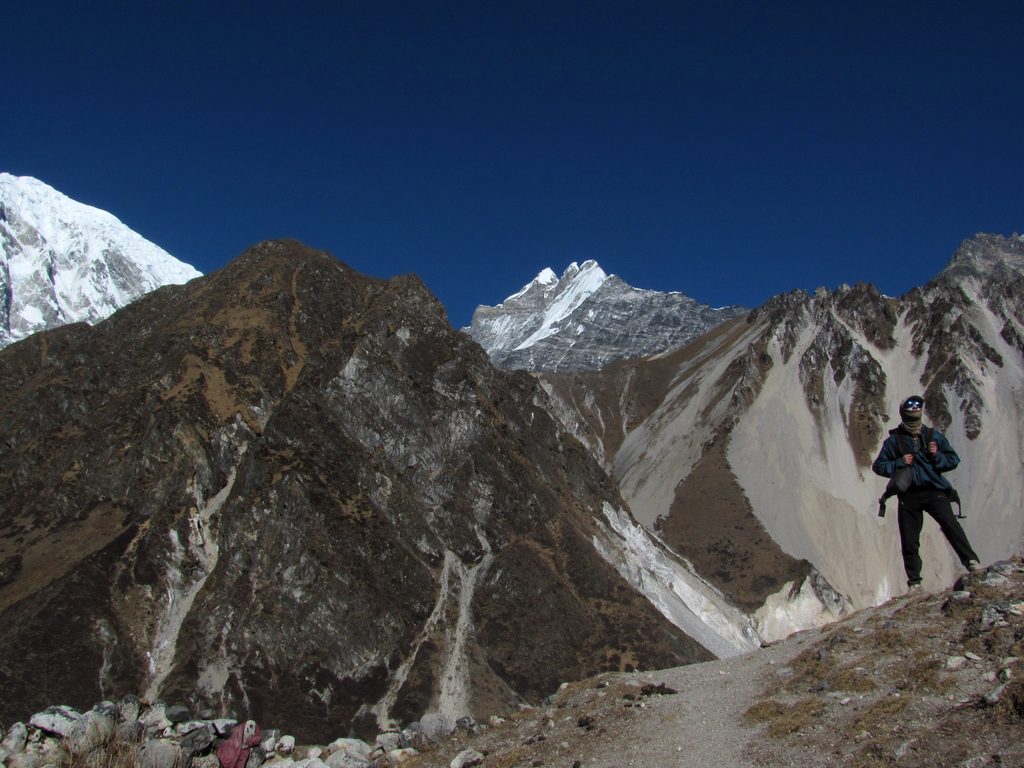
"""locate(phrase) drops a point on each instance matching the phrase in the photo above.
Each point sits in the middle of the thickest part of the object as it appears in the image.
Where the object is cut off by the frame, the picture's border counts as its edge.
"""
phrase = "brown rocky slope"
(293, 490)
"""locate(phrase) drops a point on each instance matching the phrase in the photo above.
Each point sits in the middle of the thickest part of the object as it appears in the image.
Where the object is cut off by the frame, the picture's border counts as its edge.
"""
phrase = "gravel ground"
(903, 684)
(691, 717)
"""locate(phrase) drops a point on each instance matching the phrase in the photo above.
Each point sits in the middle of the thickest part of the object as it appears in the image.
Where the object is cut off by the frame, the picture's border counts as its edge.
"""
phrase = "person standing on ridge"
(927, 454)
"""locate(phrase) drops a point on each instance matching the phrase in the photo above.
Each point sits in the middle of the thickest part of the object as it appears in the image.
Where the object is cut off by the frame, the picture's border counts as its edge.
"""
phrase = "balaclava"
(912, 417)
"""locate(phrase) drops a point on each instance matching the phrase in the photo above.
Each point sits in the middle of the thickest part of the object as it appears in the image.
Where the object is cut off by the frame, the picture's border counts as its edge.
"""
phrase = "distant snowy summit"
(586, 319)
(64, 262)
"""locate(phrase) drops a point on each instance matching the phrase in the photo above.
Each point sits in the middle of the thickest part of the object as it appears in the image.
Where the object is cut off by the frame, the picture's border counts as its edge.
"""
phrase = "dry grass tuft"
(785, 719)
(1011, 705)
(923, 674)
(514, 757)
(880, 713)
(851, 680)
(113, 754)
(765, 711)
(888, 639)
(815, 668)
(809, 665)
(873, 756)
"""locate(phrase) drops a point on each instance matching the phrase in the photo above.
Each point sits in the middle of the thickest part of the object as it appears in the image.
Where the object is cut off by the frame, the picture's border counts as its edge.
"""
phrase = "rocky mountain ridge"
(65, 262)
(585, 320)
(768, 424)
(295, 490)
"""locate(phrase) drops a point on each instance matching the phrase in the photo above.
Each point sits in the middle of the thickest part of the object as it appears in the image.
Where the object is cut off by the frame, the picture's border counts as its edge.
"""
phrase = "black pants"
(913, 505)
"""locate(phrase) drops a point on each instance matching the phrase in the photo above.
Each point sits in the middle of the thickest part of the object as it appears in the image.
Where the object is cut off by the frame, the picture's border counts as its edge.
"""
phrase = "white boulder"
(63, 722)
(466, 758)
(15, 740)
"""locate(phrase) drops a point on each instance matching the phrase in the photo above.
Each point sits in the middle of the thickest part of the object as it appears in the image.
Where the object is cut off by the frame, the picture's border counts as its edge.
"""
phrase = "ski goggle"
(913, 404)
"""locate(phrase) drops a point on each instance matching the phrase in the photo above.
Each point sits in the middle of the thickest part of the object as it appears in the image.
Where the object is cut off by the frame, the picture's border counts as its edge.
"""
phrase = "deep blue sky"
(726, 152)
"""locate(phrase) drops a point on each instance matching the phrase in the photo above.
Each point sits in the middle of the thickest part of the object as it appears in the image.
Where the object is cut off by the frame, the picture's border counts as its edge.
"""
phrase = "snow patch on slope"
(584, 282)
(545, 278)
(674, 589)
(182, 588)
(792, 610)
(453, 699)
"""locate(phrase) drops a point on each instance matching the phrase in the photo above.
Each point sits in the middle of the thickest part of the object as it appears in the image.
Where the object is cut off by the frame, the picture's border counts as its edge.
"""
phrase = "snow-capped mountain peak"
(62, 261)
(586, 319)
(538, 309)
(541, 282)
(547, 282)
(546, 276)
(575, 286)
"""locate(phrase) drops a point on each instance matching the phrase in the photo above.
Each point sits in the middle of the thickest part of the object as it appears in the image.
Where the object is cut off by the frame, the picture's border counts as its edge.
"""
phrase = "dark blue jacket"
(927, 469)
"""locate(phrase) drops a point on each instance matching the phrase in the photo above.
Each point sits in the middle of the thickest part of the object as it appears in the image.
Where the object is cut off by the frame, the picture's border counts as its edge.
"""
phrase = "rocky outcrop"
(294, 490)
(839, 329)
(952, 318)
(154, 735)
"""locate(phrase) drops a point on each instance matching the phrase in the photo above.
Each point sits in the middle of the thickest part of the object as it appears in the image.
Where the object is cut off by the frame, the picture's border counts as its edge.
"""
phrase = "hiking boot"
(915, 588)
(973, 565)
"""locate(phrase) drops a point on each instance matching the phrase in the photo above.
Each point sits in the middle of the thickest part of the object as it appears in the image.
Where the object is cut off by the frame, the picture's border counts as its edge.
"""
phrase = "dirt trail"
(903, 684)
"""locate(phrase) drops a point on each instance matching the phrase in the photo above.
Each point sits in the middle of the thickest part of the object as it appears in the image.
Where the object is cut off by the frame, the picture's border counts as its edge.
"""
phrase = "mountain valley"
(290, 491)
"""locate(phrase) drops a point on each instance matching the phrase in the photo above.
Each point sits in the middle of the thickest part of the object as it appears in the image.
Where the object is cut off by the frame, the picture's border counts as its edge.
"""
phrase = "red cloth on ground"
(234, 753)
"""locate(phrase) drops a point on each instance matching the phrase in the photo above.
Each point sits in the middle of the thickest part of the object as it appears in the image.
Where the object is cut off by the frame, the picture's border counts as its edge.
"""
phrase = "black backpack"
(900, 480)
